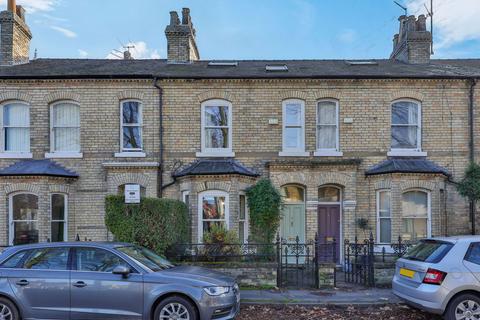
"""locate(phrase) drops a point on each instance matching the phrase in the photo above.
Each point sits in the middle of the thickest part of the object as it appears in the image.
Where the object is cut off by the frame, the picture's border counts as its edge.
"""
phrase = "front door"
(293, 222)
(329, 228)
(97, 293)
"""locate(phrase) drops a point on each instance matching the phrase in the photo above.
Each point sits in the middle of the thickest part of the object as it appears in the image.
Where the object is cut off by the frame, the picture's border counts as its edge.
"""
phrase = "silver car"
(442, 275)
(91, 280)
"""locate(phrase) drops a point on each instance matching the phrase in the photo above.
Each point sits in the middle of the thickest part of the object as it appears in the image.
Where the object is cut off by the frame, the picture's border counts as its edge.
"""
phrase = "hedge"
(154, 223)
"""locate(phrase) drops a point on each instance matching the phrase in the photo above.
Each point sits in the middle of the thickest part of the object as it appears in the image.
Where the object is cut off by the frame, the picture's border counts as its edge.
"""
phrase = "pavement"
(363, 296)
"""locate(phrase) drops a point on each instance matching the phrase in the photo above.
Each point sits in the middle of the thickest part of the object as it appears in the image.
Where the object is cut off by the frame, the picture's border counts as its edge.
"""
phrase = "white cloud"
(66, 32)
(454, 21)
(82, 53)
(347, 36)
(140, 51)
(34, 5)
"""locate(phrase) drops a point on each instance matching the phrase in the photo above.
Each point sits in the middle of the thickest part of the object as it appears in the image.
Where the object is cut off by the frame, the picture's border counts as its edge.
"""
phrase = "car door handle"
(22, 283)
(79, 284)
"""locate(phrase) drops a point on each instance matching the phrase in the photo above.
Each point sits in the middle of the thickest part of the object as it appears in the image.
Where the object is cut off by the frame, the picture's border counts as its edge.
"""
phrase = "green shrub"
(220, 243)
(264, 203)
(154, 223)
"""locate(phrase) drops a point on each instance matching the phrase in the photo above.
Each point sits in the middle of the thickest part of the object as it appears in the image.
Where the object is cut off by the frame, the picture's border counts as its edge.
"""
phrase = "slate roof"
(246, 69)
(402, 165)
(212, 167)
(44, 167)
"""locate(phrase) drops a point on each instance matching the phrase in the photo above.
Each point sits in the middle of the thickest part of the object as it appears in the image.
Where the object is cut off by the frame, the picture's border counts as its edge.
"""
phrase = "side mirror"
(121, 270)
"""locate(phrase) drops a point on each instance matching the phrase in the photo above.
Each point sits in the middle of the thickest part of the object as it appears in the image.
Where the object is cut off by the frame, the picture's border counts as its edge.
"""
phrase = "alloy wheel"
(5, 312)
(467, 310)
(173, 311)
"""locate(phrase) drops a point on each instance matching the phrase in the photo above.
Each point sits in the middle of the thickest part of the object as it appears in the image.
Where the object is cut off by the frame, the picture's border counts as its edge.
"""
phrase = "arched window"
(15, 127)
(23, 214)
(131, 126)
(415, 215)
(384, 216)
(293, 194)
(216, 128)
(328, 194)
(65, 128)
(293, 128)
(327, 127)
(213, 208)
(406, 125)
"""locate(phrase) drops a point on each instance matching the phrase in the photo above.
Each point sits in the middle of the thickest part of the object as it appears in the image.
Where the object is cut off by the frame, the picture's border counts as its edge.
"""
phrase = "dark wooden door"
(329, 226)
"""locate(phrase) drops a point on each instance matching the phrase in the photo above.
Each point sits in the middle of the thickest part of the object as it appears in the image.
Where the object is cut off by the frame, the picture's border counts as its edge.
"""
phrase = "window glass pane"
(328, 194)
(216, 116)
(385, 230)
(91, 259)
(414, 229)
(16, 115)
(213, 207)
(474, 253)
(384, 201)
(327, 137)
(242, 207)
(48, 259)
(58, 207)
(216, 138)
(404, 137)
(131, 112)
(241, 231)
(293, 137)
(13, 261)
(25, 232)
(415, 204)
(66, 115)
(132, 138)
(58, 231)
(17, 139)
(292, 194)
(293, 114)
(67, 139)
(404, 113)
(25, 206)
(327, 113)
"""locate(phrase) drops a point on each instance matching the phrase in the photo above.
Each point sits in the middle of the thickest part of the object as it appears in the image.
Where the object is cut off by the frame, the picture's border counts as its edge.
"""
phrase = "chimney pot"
(174, 20)
(12, 6)
(186, 16)
(422, 23)
(21, 12)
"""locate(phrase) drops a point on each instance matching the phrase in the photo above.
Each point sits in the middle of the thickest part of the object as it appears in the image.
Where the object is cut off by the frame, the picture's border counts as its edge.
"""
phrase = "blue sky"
(246, 29)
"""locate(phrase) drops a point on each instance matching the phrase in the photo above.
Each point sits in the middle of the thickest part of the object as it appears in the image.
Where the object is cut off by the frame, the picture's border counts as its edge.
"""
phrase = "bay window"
(384, 216)
(16, 129)
(216, 122)
(327, 128)
(213, 210)
(415, 215)
(58, 217)
(23, 216)
(243, 220)
(293, 128)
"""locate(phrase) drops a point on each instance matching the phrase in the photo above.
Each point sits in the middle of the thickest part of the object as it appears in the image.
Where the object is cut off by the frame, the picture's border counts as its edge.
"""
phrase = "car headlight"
(216, 291)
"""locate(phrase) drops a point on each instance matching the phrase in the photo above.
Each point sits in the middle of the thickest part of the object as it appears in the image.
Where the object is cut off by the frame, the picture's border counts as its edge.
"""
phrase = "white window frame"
(65, 217)
(328, 152)
(62, 154)
(408, 152)
(216, 152)
(214, 193)
(429, 209)
(11, 233)
(380, 218)
(14, 154)
(131, 152)
(246, 220)
(293, 152)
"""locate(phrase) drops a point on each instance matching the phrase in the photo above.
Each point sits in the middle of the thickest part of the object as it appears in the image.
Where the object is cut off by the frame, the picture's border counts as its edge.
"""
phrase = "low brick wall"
(384, 272)
(326, 275)
(246, 274)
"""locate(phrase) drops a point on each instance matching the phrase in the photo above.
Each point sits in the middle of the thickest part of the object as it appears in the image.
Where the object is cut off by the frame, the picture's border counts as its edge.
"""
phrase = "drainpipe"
(160, 132)
(473, 83)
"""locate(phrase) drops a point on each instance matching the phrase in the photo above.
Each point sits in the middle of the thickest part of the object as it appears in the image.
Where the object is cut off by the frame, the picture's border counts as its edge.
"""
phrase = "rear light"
(434, 276)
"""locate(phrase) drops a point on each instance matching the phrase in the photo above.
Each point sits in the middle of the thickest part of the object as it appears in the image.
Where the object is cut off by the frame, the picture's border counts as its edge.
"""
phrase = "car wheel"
(464, 307)
(175, 308)
(8, 311)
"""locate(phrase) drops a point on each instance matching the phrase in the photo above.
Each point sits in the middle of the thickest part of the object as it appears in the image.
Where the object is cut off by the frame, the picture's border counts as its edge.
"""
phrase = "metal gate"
(298, 262)
(359, 262)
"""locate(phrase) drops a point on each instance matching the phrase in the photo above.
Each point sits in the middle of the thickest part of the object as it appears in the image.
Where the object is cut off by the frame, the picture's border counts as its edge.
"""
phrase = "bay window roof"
(44, 167)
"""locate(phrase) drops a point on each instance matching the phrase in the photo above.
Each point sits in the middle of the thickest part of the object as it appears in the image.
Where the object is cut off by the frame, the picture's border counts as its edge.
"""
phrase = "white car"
(442, 276)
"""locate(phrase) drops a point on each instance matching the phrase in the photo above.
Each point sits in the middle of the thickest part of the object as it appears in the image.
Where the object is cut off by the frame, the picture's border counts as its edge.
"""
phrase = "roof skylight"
(276, 68)
(223, 64)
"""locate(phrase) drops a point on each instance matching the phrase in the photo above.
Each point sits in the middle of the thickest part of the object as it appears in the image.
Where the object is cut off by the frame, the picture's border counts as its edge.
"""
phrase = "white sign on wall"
(132, 193)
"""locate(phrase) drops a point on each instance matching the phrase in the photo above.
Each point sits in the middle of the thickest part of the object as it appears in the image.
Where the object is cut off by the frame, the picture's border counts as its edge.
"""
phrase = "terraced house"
(378, 141)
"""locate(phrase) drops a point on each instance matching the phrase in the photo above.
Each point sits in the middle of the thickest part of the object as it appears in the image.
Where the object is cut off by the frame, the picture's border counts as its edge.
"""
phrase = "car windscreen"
(146, 257)
(431, 251)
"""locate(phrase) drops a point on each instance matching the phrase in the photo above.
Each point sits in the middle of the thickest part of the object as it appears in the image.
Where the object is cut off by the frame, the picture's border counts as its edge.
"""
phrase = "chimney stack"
(412, 44)
(15, 36)
(182, 47)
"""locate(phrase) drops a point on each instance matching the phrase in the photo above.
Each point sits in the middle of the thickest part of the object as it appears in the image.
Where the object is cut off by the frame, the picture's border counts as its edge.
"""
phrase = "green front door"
(293, 222)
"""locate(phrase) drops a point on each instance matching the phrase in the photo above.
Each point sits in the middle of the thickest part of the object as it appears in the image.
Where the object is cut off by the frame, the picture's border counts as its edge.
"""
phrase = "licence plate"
(407, 273)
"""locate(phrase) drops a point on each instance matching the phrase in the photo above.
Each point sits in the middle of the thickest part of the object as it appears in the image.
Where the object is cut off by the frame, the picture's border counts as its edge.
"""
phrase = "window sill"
(294, 154)
(406, 153)
(227, 154)
(63, 155)
(16, 155)
(130, 155)
(328, 153)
